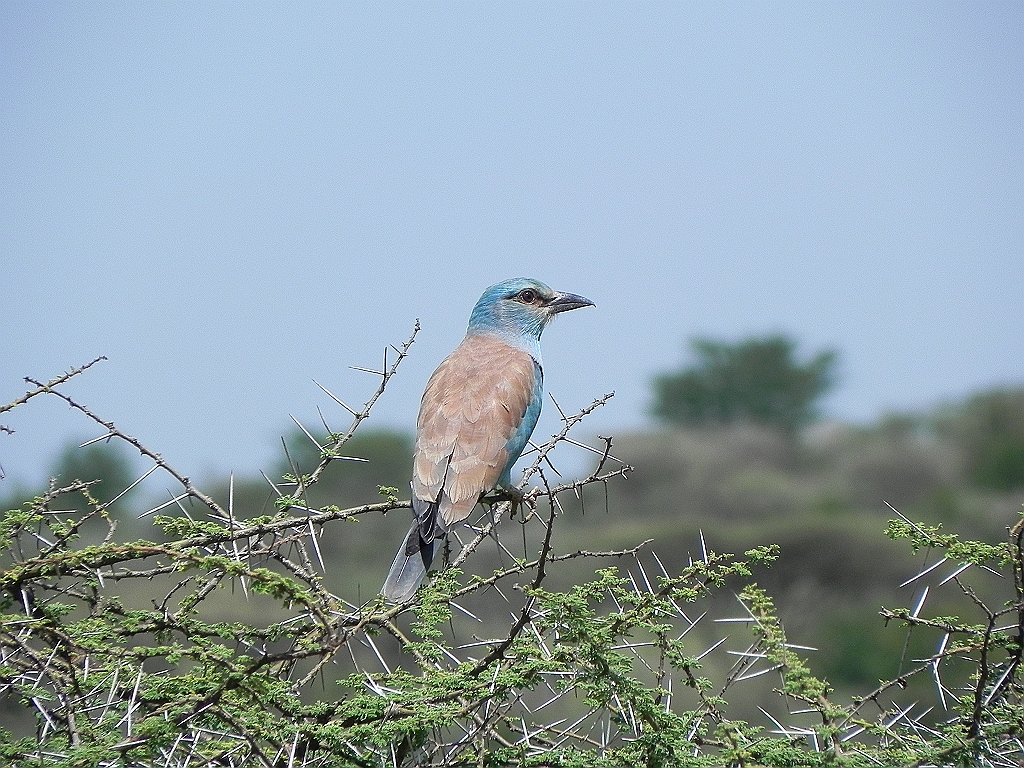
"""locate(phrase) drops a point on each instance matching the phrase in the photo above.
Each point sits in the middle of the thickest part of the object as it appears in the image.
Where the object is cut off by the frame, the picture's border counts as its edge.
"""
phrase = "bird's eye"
(527, 296)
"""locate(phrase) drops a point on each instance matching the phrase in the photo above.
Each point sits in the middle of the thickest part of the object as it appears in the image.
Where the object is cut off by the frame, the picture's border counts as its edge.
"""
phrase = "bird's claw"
(513, 496)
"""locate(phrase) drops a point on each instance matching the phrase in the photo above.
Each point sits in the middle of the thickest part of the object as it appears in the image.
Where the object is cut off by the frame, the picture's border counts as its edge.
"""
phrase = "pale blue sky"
(230, 200)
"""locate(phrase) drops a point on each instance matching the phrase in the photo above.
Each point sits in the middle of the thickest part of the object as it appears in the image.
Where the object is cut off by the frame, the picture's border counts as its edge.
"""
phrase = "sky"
(232, 200)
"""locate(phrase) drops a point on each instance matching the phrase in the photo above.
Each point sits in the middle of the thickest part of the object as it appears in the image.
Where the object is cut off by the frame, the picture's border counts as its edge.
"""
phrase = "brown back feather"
(471, 407)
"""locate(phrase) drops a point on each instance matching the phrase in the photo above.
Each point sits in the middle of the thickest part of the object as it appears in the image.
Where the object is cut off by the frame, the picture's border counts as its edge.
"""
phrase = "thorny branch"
(128, 649)
(44, 573)
(48, 386)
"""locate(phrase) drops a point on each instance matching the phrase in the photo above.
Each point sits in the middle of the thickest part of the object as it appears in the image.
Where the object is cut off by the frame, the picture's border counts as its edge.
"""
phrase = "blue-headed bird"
(477, 413)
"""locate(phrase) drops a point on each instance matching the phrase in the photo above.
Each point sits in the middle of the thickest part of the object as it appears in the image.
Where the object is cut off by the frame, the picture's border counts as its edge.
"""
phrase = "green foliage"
(137, 630)
(755, 380)
(221, 641)
(923, 536)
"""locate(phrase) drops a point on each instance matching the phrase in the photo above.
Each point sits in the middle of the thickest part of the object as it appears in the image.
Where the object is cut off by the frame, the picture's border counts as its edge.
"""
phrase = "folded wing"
(471, 408)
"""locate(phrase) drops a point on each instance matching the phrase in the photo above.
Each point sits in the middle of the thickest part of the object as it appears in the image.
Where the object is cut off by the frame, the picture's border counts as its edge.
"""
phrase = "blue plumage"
(517, 443)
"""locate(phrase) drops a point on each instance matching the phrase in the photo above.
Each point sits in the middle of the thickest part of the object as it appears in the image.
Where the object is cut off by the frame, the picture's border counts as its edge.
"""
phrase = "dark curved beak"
(563, 302)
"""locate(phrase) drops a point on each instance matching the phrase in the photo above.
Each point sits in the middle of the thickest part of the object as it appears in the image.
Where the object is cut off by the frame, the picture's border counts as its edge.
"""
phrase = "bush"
(124, 651)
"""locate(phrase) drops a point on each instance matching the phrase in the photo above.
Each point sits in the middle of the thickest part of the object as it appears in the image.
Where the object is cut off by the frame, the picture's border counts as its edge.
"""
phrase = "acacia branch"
(47, 387)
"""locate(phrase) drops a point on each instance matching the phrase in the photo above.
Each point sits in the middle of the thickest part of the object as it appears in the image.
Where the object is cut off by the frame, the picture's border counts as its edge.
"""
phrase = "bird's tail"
(411, 563)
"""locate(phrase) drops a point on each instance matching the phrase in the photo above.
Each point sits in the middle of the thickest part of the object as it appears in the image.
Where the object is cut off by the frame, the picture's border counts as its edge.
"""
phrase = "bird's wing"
(472, 407)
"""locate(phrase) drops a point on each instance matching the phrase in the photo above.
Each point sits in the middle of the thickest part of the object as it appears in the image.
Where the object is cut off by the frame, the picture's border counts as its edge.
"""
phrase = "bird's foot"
(512, 495)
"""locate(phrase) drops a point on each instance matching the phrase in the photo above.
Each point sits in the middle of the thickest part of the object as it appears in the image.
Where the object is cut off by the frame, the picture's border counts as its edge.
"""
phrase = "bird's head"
(518, 309)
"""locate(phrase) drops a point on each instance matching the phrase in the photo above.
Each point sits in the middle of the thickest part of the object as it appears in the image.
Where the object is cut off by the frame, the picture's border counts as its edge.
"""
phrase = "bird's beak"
(563, 302)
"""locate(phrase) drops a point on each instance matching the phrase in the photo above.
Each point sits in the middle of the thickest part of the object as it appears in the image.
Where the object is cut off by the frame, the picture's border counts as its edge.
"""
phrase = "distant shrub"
(989, 429)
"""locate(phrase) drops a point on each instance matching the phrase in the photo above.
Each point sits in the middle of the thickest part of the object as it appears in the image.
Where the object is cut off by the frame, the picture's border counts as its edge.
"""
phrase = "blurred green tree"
(989, 430)
(107, 462)
(756, 380)
(382, 457)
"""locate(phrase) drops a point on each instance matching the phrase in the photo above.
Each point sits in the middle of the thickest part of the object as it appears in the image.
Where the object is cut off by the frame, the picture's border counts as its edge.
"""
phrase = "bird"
(476, 415)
